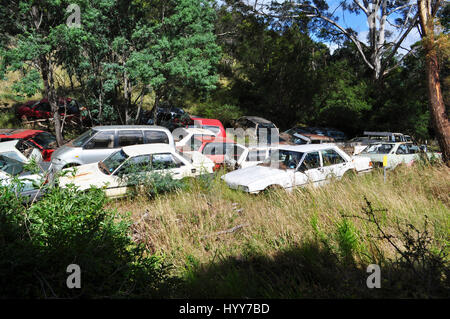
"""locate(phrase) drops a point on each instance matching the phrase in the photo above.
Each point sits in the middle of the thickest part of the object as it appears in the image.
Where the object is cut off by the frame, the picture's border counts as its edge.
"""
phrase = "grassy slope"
(289, 243)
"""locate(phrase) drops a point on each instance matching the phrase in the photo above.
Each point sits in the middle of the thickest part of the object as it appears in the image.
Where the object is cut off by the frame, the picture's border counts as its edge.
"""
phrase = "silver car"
(101, 141)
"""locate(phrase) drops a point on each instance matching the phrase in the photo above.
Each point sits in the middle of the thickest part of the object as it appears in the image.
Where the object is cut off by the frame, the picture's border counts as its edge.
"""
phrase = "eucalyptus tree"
(389, 23)
(432, 42)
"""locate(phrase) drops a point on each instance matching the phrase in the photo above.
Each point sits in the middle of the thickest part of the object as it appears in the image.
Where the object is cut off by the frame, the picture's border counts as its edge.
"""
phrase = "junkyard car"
(186, 137)
(101, 141)
(241, 156)
(44, 141)
(108, 173)
(20, 151)
(257, 129)
(293, 166)
(26, 183)
(396, 153)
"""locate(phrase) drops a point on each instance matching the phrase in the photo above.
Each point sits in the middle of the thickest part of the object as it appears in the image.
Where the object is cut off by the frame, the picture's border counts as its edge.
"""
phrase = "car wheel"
(349, 175)
(70, 165)
(272, 189)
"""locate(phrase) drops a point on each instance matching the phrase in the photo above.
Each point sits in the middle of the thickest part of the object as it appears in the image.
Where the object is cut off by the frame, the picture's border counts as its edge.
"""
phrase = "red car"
(42, 110)
(42, 140)
(214, 148)
(210, 124)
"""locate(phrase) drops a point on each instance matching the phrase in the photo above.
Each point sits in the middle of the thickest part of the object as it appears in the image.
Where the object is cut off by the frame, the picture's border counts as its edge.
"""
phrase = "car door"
(403, 155)
(333, 164)
(128, 175)
(167, 163)
(254, 157)
(99, 147)
(310, 170)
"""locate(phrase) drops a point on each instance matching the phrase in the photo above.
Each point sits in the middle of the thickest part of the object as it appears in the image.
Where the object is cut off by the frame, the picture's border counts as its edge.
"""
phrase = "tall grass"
(210, 225)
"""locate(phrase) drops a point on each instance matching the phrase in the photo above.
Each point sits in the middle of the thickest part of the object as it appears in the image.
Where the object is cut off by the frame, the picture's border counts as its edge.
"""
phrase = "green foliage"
(149, 180)
(347, 239)
(69, 227)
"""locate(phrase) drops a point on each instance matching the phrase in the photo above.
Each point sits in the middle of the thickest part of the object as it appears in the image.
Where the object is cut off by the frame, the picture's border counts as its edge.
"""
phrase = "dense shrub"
(66, 227)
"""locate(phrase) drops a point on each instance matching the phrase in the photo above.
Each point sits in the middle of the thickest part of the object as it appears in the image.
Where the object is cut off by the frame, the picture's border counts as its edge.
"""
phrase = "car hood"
(88, 174)
(60, 152)
(254, 174)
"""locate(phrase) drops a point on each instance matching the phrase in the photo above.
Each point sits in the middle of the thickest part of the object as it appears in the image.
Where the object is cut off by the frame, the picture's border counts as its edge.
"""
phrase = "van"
(99, 142)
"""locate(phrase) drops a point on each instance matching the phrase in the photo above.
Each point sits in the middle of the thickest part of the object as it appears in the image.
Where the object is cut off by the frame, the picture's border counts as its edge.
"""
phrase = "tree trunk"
(50, 93)
(437, 106)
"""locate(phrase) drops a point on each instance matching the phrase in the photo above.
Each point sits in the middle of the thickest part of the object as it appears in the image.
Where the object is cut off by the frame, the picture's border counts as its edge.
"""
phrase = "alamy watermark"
(74, 279)
(74, 19)
(374, 280)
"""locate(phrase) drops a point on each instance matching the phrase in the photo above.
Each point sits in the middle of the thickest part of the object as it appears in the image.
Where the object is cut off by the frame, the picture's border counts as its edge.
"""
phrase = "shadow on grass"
(308, 271)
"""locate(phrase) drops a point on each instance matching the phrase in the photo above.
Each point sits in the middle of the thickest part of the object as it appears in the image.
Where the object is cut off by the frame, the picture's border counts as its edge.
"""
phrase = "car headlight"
(243, 188)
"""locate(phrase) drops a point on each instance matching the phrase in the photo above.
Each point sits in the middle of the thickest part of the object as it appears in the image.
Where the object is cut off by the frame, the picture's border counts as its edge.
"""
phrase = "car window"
(413, 149)
(83, 138)
(44, 107)
(194, 143)
(214, 129)
(44, 139)
(130, 137)
(216, 148)
(312, 160)
(112, 162)
(156, 137)
(164, 161)
(331, 157)
(378, 149)
(135, 164)
(256, 155)
(402, 150)
(10, 165)
(284, 159)
(234, 152)
(101, 140)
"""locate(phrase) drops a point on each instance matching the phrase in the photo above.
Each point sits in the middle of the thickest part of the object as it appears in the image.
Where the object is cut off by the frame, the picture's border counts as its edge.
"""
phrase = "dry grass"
(183, 226)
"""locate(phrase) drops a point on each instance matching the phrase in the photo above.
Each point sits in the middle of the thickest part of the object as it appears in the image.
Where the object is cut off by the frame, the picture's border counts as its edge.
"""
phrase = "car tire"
(349, 175)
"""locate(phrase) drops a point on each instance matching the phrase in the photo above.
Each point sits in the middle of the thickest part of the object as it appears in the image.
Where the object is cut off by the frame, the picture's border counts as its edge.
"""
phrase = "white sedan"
(107, 173)
(13, 171)
(396, 153)
(185, 138)
(292, 166)
(241, 156)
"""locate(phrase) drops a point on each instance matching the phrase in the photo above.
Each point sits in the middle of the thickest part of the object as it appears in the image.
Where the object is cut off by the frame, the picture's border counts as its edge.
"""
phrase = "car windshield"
(214, 129)
(44, 139)
(284, 159)
(83, 138)
(378, 149)
(112, 162)
(10, 166)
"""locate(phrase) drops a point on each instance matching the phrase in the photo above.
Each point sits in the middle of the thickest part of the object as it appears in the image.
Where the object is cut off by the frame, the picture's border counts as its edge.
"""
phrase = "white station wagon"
(107, 173)
(299, 165)
(396, 153)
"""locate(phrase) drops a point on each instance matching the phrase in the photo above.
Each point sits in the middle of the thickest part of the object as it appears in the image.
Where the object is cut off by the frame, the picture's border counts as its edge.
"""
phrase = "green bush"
(69, 227)
(149, 180)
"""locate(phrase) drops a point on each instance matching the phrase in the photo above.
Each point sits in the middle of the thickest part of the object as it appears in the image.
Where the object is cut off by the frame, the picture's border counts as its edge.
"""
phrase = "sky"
(357, 23)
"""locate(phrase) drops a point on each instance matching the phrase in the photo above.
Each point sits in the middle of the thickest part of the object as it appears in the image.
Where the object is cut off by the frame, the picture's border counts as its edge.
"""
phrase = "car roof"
(18, 133)
(207, 121)
(143, 149)
(8, 145)
(197, 130)
(256, 119)
(128, 127)
(305, 148)
(218, 139)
